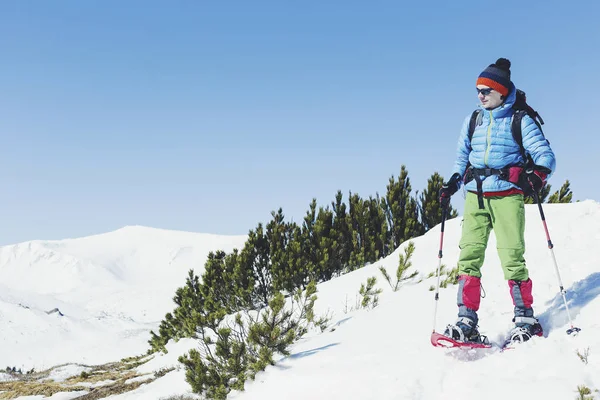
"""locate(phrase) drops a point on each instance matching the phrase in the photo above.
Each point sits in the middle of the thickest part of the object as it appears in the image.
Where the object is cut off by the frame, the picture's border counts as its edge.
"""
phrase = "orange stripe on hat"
(503, 90)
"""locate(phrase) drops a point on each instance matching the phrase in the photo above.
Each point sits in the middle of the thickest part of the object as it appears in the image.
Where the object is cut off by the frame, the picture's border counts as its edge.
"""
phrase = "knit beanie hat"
(497, 76)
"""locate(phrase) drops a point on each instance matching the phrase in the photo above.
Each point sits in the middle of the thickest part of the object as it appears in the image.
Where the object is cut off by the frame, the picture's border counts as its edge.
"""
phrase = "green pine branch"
(404, 264)
(370, 295)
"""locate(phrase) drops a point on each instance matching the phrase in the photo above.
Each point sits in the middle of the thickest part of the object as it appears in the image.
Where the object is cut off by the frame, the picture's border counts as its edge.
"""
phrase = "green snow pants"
(506, 216)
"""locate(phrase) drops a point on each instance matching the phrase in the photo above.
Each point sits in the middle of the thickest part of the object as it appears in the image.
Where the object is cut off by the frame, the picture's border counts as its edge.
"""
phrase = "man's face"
(489, 98)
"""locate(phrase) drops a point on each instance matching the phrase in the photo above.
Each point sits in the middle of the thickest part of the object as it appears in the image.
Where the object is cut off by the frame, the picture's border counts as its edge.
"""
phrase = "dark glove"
(535, 179)
(448, 189)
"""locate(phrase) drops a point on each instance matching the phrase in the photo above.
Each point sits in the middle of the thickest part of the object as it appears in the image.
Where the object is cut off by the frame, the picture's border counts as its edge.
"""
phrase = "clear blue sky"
(206, 116)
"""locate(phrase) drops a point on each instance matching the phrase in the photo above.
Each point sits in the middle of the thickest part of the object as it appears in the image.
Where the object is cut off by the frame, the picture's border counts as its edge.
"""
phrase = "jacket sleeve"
(463, 149)
(536, 144)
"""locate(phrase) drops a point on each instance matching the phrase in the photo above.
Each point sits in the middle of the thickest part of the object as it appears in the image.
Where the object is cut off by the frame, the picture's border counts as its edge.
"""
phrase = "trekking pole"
(440, 255)
(573, 329)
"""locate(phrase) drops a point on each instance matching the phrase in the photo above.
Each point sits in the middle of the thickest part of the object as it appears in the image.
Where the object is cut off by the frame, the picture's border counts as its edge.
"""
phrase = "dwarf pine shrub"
(370, 295)
(404, 264)
(233, 349)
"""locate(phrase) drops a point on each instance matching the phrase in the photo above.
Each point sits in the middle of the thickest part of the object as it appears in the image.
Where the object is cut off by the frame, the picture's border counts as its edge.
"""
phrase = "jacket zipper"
(488, 139)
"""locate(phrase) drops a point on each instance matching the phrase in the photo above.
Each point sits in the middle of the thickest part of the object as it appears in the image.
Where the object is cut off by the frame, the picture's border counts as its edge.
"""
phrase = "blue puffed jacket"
(493, 146)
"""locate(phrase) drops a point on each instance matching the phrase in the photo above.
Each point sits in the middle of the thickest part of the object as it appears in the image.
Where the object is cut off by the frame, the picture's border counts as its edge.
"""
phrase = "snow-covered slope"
(385, 353)
(110, 288)
(382, 353)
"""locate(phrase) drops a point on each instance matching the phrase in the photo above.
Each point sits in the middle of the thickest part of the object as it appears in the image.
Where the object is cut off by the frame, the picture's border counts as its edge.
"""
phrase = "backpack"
(520, 108)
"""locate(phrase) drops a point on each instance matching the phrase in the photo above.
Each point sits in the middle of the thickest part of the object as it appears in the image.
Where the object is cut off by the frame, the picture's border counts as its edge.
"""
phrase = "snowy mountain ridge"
(118, 283)
(130, 256)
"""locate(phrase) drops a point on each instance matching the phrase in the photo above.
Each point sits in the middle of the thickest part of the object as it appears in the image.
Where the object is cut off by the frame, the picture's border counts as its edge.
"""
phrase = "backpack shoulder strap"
(473, 122)
(517, 132)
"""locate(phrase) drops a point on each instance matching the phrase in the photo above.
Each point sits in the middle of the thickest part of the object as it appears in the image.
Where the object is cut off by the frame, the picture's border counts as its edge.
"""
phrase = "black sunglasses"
(484, 92)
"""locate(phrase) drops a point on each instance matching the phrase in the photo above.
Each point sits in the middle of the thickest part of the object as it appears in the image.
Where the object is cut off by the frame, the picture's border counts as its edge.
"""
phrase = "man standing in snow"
(496, 173)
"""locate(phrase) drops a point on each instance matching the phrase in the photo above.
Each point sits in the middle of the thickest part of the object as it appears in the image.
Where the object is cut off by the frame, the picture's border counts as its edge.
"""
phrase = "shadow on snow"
(578, 296)
(307, 353)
